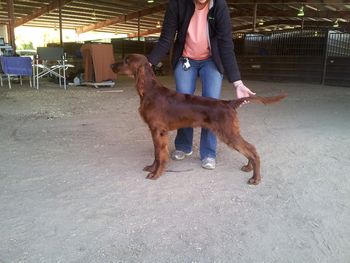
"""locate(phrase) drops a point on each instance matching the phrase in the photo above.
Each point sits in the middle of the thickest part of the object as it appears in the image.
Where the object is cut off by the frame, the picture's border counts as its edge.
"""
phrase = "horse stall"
(311, 55)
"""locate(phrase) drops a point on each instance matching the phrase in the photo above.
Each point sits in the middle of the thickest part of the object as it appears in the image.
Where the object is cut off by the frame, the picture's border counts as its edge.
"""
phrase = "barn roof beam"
(41, 11)
(121, 18)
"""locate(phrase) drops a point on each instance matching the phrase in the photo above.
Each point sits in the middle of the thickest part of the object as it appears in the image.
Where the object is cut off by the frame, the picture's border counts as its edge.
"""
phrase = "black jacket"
(176, 21)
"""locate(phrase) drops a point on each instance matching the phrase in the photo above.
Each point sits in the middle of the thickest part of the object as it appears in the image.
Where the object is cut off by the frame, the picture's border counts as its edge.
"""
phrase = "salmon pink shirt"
(197, 43)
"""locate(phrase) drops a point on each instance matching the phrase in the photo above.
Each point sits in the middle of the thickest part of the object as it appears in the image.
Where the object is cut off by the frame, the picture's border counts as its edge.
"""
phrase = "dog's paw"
(152, 176)
(247, 168)
(149, 168)
(254, 181)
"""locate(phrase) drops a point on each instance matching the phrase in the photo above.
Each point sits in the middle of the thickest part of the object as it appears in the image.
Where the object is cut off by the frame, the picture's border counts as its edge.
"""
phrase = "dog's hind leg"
(249, 151)
(248, 167)
(150, 168)
(161, 154)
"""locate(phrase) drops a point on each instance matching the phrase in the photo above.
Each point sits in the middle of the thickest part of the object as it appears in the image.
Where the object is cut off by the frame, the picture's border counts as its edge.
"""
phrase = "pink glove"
(241, 90)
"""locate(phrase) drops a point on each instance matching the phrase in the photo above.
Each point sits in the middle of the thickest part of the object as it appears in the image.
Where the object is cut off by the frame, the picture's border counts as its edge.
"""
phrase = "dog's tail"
(257, 99)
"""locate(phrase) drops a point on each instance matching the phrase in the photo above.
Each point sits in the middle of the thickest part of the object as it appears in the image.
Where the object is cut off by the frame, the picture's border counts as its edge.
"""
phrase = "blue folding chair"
(16, 67)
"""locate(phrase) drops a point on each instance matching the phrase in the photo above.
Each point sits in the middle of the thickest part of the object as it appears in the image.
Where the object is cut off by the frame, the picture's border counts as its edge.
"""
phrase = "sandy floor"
(72, 187)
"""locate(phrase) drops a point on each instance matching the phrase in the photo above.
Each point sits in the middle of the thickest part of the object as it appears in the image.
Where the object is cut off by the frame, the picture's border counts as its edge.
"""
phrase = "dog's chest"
(148, 111)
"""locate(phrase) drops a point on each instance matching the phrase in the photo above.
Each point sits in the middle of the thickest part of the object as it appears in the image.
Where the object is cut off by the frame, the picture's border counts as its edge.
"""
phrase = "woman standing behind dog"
(203, 48)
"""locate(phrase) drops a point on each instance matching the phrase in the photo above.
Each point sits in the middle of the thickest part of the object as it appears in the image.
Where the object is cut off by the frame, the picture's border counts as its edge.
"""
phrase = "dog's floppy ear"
(140, 79)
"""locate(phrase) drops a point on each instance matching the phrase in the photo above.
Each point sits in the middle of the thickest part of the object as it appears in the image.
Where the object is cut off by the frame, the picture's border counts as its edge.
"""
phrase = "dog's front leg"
(161, 155)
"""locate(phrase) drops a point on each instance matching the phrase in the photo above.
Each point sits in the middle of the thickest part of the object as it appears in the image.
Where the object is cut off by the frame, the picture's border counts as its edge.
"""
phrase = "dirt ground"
(72, 187)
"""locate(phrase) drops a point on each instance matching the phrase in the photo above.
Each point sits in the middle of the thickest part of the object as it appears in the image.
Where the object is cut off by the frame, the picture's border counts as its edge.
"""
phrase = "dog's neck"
(145, 79)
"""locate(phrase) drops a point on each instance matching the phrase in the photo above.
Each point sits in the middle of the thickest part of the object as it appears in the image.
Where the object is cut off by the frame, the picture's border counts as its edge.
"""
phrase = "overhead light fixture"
(158, 25)
(150, 1)
(261, 22)
(301, 11)
(336, 23)
(93, 15)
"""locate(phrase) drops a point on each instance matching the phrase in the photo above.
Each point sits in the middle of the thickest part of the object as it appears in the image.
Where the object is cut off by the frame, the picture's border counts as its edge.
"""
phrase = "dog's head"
(135, 65)
(130, 65)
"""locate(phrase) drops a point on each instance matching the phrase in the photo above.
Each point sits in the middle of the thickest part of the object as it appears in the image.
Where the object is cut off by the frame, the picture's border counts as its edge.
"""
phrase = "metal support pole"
(254, 16)
(325, 58)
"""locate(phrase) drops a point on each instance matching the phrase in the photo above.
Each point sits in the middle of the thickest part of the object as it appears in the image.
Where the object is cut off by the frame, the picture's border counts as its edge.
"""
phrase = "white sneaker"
(208, 163)
(179, 155)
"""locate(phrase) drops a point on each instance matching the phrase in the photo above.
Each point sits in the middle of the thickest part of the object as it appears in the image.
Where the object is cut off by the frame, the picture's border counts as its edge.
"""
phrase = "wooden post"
(60, 21)
(138, 28)
(11, 25)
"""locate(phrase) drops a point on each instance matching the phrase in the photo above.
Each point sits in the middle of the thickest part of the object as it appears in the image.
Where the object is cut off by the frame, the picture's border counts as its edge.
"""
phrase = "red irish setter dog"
(164, 110)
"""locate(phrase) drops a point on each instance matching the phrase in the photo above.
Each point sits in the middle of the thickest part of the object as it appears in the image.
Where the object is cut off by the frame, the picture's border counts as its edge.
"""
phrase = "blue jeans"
(211, 80)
